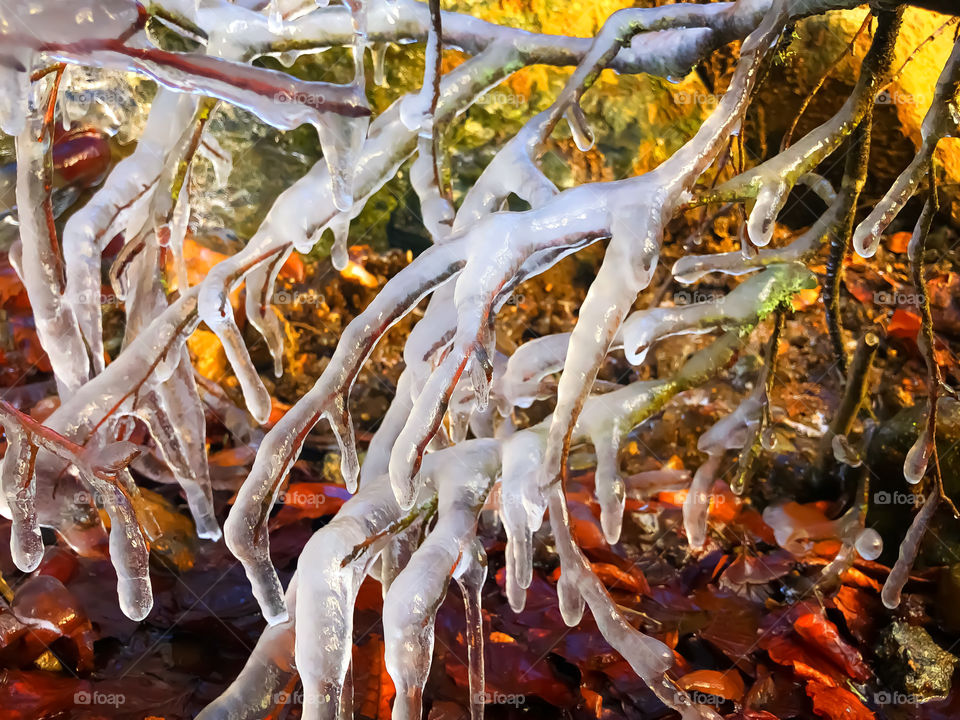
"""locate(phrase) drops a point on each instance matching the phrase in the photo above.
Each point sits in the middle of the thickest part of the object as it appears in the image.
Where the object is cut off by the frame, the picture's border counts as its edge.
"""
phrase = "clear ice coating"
(422, 485)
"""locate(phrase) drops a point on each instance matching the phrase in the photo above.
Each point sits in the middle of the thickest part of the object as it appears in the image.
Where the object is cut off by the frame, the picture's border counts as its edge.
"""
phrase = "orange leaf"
(816, 630)
(898, 242)
(806, 298)
(904, 324)
(836, 703)
(593, 701)
(293, 268)
(617, 579)
(728, 685)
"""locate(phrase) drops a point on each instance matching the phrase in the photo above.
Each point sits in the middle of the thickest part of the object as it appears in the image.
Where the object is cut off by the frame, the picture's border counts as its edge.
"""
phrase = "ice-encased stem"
(41, 263)
(467, 472)
(19, 485)
(909, 547)
(940, 122)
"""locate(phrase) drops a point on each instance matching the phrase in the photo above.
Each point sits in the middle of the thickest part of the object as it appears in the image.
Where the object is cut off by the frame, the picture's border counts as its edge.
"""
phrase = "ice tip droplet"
(869, 544)
(918, 457)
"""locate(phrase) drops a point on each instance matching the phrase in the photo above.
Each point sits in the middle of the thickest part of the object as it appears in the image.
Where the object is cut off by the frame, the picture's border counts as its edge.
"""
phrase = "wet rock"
(912, 663)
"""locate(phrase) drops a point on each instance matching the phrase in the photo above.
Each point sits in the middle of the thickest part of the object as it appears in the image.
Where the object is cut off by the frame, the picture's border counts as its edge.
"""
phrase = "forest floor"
(756, 629)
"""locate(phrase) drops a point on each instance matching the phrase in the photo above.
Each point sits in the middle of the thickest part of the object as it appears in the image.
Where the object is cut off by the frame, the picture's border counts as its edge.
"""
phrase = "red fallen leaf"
(32, 695)
(818, 631)
(783, 650)
(898, 242)
(724, 505)
(859, 608)
(51, 613)
(758, 570)
(593, 701)
(369, 596)
(373, 689)
(904, 324)
(837, 703)
(511, 669)
(293, 268)
(859, 287)
(728, 685)
(616, 579)
(731, 623)
(853, 576)
(585, 527)
(232, 457)
(277, 411)
(58, 563)
(775, 694)
(10, 285)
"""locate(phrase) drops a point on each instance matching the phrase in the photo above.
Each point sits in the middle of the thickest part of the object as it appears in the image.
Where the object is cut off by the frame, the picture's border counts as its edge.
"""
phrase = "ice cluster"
(447, 445)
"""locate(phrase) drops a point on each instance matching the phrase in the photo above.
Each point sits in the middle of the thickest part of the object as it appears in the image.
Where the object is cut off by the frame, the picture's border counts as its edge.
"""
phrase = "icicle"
(376, 461)
(611, 492)
(41, 261)
(697, 503)
(341, 140)
(648, 657)
(527, 367)
(340, 226)
(900, 572)
(274, 17)
(411, 604)
(918, 457)
(571, 601)
(19, 485)
(14, 89)
(358, 17)
(129, 553)
(521, 507)
(470, 575)
(327, 594)
(869, 544)
(260, 310)
(342, 426)
(378, 52)
(579, 128)
(843, 452)
(254, 393)
(120, 205)
(219, 158)
(480, 371)
(763, 217)
(175, 417)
